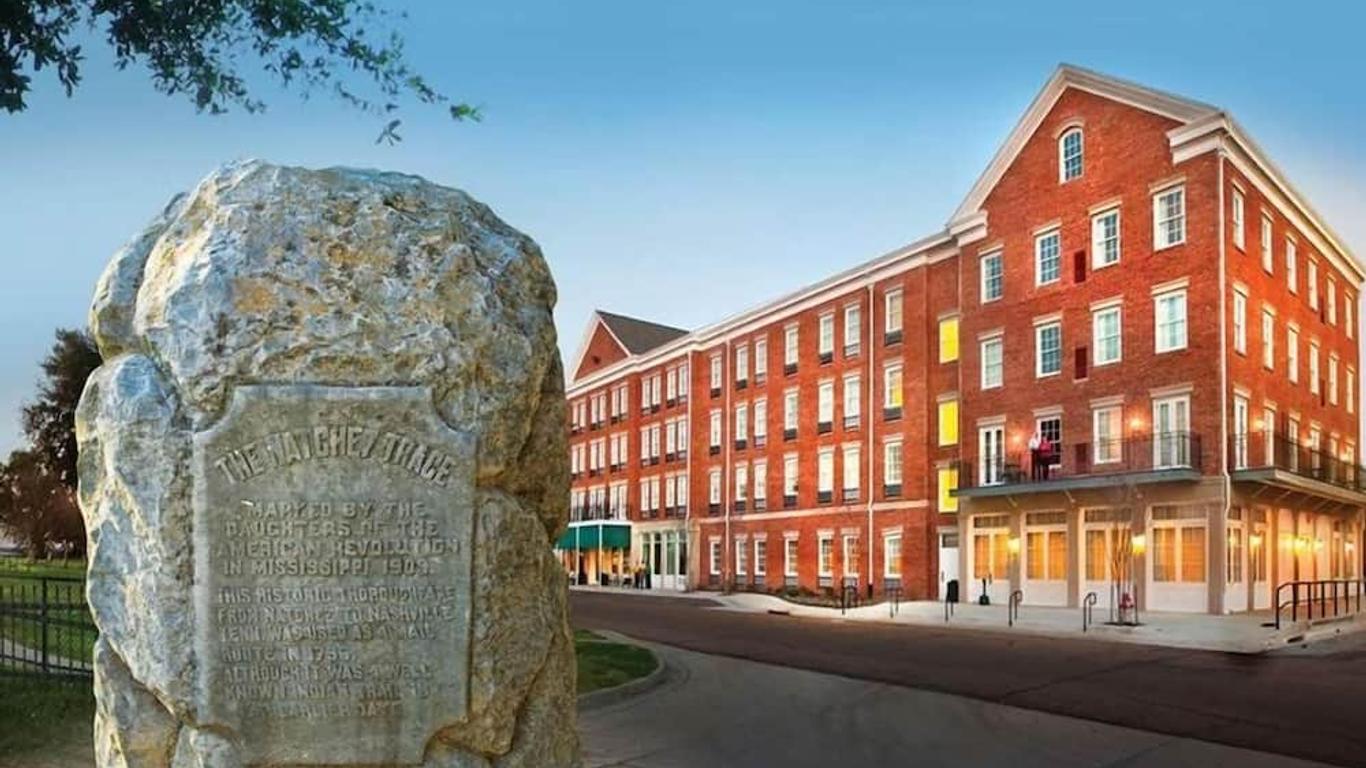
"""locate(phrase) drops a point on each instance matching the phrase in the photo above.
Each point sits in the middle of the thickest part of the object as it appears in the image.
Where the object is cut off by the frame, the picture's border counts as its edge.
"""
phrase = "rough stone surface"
(310, 280)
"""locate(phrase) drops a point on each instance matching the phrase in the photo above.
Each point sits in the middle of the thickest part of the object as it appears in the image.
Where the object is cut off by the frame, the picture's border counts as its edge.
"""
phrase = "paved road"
(1306, 705)
(719, 711)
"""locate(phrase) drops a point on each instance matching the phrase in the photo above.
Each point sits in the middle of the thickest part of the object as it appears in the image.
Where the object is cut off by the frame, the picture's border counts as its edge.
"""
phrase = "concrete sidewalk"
(1235, 633)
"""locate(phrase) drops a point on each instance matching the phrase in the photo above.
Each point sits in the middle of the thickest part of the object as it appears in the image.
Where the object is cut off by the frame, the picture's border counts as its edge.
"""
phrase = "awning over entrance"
(596, 536)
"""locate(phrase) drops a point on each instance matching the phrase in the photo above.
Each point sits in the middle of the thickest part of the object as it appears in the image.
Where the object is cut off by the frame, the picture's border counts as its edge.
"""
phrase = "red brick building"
(1127, 365)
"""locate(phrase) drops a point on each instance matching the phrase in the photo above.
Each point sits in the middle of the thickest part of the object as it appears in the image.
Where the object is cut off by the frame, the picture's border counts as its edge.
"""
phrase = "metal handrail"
(948, 609)
(1346, 593)
(893, 601)
(1013, 607)
(1087, 604)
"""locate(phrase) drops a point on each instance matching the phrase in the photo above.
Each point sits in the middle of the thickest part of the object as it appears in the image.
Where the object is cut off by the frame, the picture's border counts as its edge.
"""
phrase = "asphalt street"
(1307, 704)
(724, 712)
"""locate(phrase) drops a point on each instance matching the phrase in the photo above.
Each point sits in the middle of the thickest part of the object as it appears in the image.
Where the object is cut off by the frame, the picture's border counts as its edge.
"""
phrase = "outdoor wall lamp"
(1013, 545)
(1138, 543)
(1255, 541)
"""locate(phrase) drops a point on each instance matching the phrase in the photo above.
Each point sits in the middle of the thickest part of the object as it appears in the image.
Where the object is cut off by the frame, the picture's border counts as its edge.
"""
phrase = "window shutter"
(1079, 267)
(1080, 361)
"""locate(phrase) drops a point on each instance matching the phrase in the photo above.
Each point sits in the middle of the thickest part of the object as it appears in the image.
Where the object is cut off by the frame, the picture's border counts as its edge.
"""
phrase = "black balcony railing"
(599, 512)
(1267, 450)
(1163, 452)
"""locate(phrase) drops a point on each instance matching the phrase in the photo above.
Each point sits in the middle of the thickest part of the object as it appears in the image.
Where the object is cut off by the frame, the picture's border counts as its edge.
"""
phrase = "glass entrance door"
(1171, 432)
(991, 454)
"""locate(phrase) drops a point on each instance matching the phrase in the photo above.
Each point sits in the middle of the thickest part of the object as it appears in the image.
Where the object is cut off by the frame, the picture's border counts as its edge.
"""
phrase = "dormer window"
(1070, 155)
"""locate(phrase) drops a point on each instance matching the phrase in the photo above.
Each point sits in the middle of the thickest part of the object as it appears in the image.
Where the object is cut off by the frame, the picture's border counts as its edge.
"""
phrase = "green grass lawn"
(605, 664)
(45, 723)
(66, 607)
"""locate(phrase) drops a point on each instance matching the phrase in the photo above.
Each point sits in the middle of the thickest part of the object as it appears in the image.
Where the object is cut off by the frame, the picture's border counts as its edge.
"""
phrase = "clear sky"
(678, 160)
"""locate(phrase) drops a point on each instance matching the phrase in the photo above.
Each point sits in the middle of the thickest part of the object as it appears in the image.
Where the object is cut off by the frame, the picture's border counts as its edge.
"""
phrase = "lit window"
(1169, 218)
(1070, 155)
(948, 422)
(991, 277)
(1313, 368)
(993, 368)
(1107, 435)
(1332, 294)
(1047, 349)
(892, 315)
(948, 483)
(1106, 335)
(1047, 258)
(1105, 239)
(948, 339)
(891, 386)
(891, 555)
(1170, 316)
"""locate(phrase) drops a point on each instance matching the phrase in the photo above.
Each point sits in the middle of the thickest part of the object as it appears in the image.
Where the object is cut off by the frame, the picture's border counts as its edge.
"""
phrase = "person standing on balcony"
(1034, 443)
(1045, 456)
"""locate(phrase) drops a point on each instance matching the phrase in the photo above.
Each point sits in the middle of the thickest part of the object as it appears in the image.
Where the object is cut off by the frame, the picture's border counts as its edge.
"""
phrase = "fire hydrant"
(1126, 608)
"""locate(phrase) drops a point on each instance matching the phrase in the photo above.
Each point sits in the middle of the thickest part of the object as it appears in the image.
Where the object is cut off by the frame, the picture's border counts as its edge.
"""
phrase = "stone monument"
(321, 469)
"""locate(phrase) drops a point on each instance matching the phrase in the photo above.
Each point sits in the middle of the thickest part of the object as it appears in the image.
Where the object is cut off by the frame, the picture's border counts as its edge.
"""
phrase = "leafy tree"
(192, 48)
(38, 509)
(50, 421)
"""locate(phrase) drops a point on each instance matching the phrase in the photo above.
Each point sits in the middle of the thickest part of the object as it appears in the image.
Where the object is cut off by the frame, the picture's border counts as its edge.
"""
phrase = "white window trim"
(997, 254)
(1038, 264)
(1075, 130)
(1096, 249)
(982, 365)
(1158, 244)
(1157, 320)
(1118, 312)
(1039, 329)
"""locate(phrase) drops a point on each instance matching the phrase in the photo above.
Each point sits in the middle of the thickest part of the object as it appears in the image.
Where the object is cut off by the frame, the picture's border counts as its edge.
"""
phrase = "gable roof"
(638, 336)
(1203, 127)
(1067, 76)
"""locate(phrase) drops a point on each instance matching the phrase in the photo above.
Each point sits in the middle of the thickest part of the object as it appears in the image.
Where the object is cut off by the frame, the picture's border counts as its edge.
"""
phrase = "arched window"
(1070, 155)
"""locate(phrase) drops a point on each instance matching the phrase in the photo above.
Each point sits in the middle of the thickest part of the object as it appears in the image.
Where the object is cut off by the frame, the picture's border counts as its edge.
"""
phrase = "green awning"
(596, 536)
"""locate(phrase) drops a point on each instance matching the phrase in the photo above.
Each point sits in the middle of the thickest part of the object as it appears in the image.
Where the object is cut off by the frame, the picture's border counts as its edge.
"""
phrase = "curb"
(604, 697)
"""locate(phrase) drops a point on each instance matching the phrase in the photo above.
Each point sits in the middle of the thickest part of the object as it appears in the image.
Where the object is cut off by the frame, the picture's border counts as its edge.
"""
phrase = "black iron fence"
(45, 626)
(1318, 600)
(1268, 450)
(1148, 453)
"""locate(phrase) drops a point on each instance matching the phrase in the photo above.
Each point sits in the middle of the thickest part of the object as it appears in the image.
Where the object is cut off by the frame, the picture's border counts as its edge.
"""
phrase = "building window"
(1266, 244)
(1313, 368)
(850, 555)
(790, 557)
(715, 557)
(760, 359)
(1106, 335)
(891, 391)
(741, 484)
(1170, 317)
(1351, 390)
(714, 488)
(1106, 435)
(948, 339)
(1292, 263)
(851, 401)
(789, 414)
(1239, 322)
(1169, 218)
(1333, 379)
(825, 475)
(1313, 286)
(790, 349)
(825, 562)
(1070, 155)
(993, 366)
(1105, 239)
(891, 555)
(760, 422)
(892, 317)
(992, 279)
(851, 472)
(715, 377)
(715, 432)
(760, 483)
(741, 425)
(852, 330)
(825, 406)
(760, 557)
(1047, 258)
(891, 467)
(1178, 547)
(948, 422)
(790, 480)
(826, 337)
(1171, 432)
(1047, 349)
(948, 483)
(1332, 296)
(1292, 353)
(742, 364)
(1238, 218)
(1268, 339)
(1348, 316)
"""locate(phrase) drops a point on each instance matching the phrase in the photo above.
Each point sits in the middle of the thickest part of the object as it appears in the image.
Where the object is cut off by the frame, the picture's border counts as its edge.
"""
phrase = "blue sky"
(677, 161)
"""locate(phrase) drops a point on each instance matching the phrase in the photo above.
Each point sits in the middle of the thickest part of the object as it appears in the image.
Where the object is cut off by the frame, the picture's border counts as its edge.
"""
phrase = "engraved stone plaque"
(332, 536)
